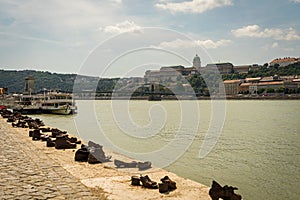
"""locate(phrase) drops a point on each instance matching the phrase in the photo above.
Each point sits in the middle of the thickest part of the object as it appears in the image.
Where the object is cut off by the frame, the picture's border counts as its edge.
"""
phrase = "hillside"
(15, 81)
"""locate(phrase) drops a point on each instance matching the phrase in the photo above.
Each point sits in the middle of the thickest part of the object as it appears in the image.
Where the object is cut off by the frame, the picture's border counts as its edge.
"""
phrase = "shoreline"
(174, 98)
(106, 179)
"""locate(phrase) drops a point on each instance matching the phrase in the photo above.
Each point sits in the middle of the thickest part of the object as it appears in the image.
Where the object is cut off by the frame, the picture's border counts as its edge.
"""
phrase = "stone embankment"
(30, 170)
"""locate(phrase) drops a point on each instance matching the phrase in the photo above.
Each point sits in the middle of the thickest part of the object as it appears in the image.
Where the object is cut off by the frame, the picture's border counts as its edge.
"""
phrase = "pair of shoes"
(144, 165)
(133, 164)
(166, 185)
(227, 192)
(62, 142)
(122, 164)
(148, 183)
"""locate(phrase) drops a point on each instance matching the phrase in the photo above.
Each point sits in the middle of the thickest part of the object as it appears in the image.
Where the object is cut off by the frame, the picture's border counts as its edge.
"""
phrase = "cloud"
(116, 1)
(125, 26)
(194, 6)
(209, 44)
(295, 1)
(24, 37)
(275, 45)
(275, 33)
(180, 44)
(59, 16)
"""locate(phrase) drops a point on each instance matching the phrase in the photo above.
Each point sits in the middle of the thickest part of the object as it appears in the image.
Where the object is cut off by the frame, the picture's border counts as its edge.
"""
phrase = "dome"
(196, 61)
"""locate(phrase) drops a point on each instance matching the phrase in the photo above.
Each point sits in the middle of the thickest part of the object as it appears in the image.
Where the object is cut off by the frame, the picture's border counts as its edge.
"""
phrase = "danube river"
(253, 145)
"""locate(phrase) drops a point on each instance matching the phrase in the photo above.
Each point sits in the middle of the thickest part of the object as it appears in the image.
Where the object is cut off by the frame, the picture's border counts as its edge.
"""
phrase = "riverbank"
(188, 97)
(32, 170)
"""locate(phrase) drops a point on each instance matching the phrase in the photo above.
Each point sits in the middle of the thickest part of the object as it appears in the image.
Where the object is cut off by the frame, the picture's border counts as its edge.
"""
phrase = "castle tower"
(29, 85)
(196, 62)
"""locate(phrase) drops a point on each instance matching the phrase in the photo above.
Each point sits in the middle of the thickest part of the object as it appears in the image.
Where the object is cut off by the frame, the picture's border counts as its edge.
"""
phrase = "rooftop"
(232, 81)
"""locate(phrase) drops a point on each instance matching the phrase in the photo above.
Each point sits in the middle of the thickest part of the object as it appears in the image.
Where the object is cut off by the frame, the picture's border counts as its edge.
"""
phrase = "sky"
(119, 38)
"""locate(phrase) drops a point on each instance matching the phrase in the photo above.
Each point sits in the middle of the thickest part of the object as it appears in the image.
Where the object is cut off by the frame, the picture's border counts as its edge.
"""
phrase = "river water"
(257, 148)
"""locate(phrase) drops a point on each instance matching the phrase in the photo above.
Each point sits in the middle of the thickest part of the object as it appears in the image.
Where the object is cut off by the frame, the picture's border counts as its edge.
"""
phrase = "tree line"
(202, 84)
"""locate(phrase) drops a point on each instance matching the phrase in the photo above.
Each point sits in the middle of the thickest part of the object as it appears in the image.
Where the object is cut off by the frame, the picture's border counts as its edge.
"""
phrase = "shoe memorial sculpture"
(226, 193)
(148, 183)
(122, 164)
(92, 153)
(166, 185)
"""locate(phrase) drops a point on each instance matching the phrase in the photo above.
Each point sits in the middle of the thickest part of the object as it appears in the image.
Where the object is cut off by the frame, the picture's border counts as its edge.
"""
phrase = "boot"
(82, 154)
(30, 133)
(50, 143)
(163, 187)
(135, 180)
(36, 134)
(61, 142)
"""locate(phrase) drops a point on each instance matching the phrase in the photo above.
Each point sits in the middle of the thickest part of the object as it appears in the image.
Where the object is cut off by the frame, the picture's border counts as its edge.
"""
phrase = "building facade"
(223, 68)
(232, 86)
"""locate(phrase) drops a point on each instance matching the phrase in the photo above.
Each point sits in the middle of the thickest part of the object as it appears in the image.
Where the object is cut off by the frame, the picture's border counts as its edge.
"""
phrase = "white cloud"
(126, 26)
(257, 32)
(57, 17)
(275, 45)
(116, 1)
(180, 44)
(194, 6)
(209, 44)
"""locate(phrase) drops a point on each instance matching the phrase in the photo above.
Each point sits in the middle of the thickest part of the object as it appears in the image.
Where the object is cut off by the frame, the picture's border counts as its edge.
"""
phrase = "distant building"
(270, 84)
(252, 80)
(172, 73)
(282, 62)
(270, 79)
(223, 68)
(163, 74)
(241, 69)
(29, 85)
(196, 62)
(232, 86)
(292, 84)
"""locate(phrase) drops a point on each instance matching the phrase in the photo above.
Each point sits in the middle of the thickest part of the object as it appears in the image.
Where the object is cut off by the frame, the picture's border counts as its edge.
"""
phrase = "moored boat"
(60, 108)
(50, 103)
(59, 103)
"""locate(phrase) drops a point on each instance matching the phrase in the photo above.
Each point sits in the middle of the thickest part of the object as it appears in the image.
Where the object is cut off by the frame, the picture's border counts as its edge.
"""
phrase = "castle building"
(197, 62)
(223, 68)
(172, 73)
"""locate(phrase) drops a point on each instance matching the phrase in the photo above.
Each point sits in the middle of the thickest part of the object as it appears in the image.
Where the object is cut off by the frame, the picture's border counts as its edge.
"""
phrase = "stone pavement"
(28, 173)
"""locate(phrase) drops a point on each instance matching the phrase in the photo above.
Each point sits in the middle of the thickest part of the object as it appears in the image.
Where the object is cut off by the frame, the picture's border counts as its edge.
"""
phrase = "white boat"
(61, 108)
(50, 103)
(58, 103)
